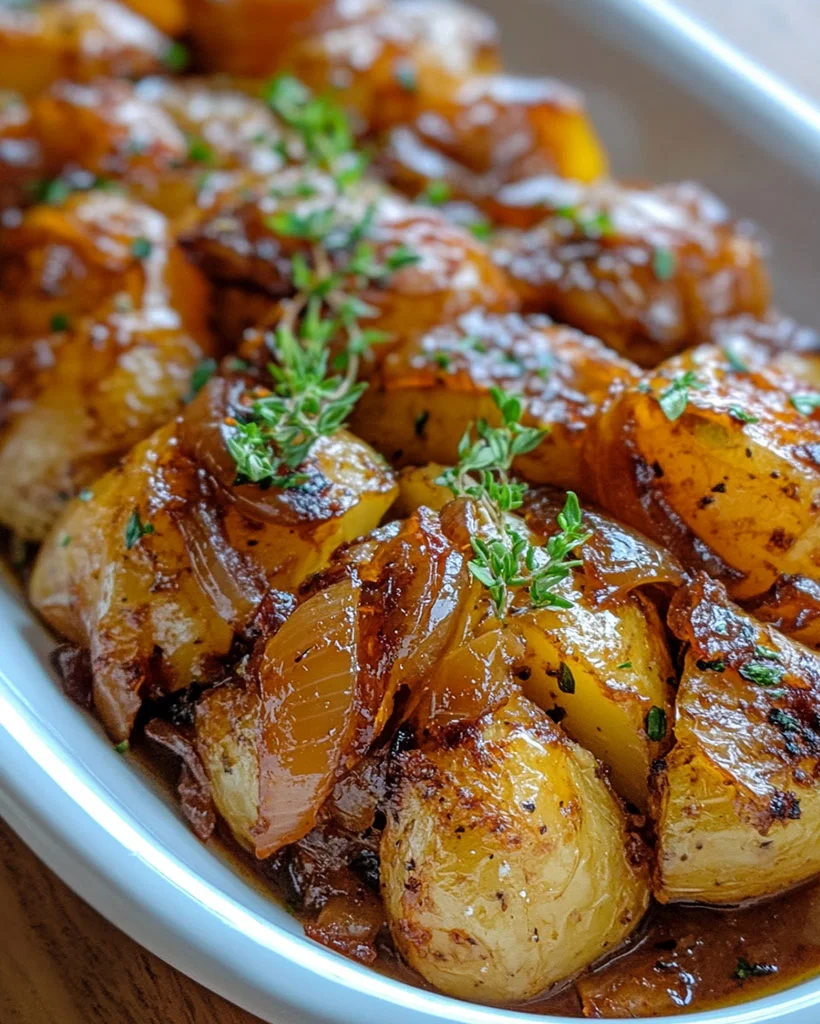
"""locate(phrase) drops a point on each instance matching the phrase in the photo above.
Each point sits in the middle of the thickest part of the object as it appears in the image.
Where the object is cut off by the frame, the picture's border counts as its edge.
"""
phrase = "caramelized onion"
(411, 608)
(617, 559)
(312, 709)
(470, 681)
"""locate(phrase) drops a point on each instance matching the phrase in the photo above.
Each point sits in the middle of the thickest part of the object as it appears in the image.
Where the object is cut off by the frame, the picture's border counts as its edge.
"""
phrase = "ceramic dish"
(671, 100)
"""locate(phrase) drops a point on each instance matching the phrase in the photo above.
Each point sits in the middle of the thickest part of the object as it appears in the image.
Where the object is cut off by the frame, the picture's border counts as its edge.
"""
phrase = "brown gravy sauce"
(683, 959)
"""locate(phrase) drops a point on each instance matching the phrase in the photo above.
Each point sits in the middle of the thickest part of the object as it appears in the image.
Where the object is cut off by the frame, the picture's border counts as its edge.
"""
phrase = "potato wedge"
(427, 392)
(507, 864)
(170, 559)
(720, 466)
(736, 803)
(78, 40)
(645, 270)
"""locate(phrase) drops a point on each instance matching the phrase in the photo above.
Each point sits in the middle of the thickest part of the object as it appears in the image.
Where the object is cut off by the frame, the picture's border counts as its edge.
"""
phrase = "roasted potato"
(506, 863)
(170, 558)
(75, 401)
(178, 145)
(494, 130)
(248, 252)
(365, 629)
(94, 253)
(79, 40)
(716, 456)
(21, 159)
(381, 60)
(735, 803)
(645, 270)
(427, 392)
(169, 16)
(791, 605)
(602, 667)
(792, 348)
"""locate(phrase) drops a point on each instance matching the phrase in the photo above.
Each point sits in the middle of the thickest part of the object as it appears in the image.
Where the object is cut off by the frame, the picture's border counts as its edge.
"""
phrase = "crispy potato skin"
(249, 260)
(79, 40)
(383, 61)
(738, 499)
(494, 130)
(426, 393)
(735, 802)
(645, 270)
(77, 400)
(178, 145)
(166, 610)
(506, 863)
(96, 253)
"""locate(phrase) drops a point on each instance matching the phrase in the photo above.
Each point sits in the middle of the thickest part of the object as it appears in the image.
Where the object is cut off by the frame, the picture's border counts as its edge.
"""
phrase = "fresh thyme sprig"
(273, 435)
(507, 560)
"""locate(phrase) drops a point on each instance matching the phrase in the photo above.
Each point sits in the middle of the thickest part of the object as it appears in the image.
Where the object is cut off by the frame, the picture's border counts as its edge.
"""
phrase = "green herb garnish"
(739, 414)
(135, 530)
(507, 560)
(664, 263)
(566, 680)
(656, 724)
(675, 397)
(806, 403)
(141, 248)
(202, 373)
(745, 970)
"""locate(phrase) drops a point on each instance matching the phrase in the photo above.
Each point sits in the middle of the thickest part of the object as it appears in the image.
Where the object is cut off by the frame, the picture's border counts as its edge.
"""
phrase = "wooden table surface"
(60, 962)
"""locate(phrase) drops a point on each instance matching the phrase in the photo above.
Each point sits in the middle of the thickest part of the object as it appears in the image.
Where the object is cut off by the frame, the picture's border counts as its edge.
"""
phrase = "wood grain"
(60, 962)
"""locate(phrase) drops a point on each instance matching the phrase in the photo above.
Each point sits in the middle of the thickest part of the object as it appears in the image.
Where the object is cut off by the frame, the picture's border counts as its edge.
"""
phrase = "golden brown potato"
(427, 392)
(381, 60)
(178, 145)
(323, 686)
(736, 807)
(645, 270)
(506, 863)
(226, 741)
(170, 558)
(248, 252)
(169, 16)
(495, 129)
(95, 253)
(712, 456)
(75, 39)
(21, 160)
(602, 667)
